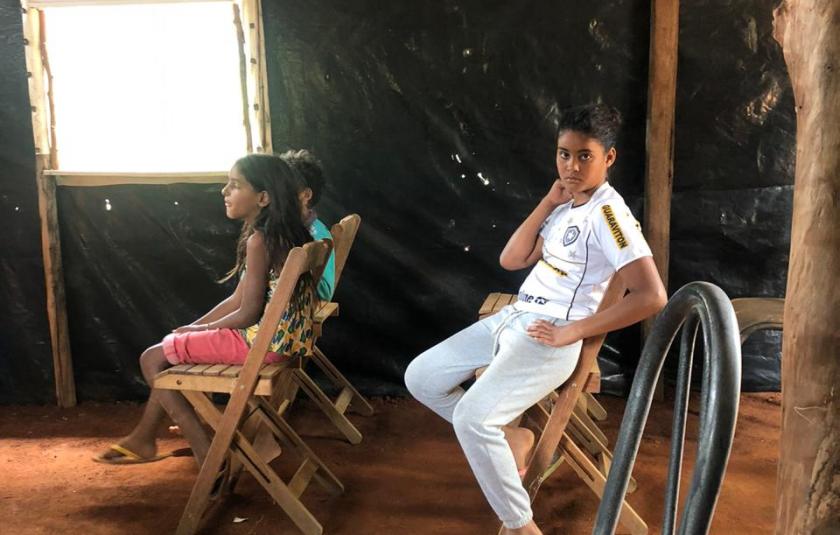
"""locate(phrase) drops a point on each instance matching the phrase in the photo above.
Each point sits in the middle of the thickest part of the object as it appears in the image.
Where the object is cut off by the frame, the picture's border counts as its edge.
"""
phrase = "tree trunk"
(808, 484)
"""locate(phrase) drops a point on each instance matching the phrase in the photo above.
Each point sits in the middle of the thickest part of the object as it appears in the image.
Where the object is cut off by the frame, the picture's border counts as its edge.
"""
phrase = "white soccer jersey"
(583, 247)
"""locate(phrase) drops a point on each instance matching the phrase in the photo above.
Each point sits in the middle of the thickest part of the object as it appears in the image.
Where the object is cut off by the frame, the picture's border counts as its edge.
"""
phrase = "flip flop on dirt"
(126, 456)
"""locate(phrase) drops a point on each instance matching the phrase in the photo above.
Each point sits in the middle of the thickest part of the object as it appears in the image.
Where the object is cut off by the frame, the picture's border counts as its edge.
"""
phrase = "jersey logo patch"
(615, 229)
(570, 235)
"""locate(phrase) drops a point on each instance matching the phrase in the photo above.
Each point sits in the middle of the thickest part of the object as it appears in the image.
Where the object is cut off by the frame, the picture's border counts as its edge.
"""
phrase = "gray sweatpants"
(521, 372)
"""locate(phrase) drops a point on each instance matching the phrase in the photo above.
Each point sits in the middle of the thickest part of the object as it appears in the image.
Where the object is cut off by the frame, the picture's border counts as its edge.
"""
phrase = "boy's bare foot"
(521, 442)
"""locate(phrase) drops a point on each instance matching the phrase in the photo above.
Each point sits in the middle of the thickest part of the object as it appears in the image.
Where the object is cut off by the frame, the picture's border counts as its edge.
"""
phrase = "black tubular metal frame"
(695, 305)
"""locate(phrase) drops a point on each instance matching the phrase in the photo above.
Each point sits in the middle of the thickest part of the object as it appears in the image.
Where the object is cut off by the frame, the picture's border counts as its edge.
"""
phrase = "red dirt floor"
(408, 476)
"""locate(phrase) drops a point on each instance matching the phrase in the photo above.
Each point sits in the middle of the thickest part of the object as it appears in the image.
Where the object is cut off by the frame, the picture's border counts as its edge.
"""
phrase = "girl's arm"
(524, 247)
(646, 296)
(248, 300)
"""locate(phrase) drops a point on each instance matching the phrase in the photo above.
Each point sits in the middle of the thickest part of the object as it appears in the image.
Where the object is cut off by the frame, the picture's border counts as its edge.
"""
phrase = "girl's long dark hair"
(280, 222)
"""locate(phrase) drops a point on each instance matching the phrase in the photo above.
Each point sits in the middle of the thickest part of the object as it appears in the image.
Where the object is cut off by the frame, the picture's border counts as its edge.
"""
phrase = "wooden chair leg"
(200, 495)
(583, 417)
(354, 398)
(581, 434)
(596, 481)
(556, 419)
(594, 407)
(284, 432)
(260, 437)
(336, 417)
(263, 473)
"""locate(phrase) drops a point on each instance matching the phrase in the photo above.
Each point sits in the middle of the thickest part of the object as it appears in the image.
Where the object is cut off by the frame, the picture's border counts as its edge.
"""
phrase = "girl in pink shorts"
(264, 193)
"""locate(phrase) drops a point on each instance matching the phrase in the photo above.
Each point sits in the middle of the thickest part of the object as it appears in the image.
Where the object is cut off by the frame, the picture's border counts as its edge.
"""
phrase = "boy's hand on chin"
(558, 194)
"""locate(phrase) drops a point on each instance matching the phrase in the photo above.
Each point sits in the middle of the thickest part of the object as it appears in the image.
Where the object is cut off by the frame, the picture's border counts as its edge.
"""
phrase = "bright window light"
(146, 87)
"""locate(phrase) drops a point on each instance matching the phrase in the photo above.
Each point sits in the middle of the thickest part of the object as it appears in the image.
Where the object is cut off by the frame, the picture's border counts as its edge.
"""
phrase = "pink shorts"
(216, 346)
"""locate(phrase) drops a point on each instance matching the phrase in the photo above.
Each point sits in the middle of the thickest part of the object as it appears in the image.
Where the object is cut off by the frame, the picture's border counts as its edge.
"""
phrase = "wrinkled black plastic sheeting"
(739, 240)
(25, 353)
(734, 163)
(139, 261)
(389, 93)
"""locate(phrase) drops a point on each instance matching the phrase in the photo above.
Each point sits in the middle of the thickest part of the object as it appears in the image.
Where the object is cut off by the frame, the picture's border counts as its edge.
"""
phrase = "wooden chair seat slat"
(216, 369)
(231, 371)
(489, 305)
(221, 382)
(198, 369)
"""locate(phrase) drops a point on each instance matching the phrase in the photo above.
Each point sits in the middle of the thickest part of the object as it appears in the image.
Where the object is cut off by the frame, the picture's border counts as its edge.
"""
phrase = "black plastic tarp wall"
(25, 353)
(433, 120)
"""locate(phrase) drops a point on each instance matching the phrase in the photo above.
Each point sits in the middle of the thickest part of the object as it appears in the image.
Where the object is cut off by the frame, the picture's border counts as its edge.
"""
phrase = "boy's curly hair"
(599, 121)
(309, 168)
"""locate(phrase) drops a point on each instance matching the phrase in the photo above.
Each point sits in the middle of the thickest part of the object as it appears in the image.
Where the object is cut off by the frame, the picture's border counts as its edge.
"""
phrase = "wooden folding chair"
(248, 386)
(563, 421)
(343, 233)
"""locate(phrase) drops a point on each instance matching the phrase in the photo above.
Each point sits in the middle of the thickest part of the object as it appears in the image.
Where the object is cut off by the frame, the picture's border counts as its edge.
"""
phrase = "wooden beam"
(76, 3)
(37, 83)
(48, 78)
(659, 142)
(808, 484)
(251, 11)
(65, 386)
(243, 78)
(85, 179)
(43, 123)
(659, 158)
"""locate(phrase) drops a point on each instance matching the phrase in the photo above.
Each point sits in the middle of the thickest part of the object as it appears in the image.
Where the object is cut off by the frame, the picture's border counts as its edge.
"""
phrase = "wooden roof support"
(659, 158)
(65, 385)
(243, 78)
(94, 179)
(43, 127)
(659, 144)
(807, 492)
(256, 75)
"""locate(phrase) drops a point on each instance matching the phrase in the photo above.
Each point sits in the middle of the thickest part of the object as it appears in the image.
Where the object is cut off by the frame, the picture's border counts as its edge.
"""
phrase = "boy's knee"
(464, 418)
(414, 379)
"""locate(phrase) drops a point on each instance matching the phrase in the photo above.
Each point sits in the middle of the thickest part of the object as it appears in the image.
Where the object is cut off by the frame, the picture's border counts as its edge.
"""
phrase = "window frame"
(247, 16)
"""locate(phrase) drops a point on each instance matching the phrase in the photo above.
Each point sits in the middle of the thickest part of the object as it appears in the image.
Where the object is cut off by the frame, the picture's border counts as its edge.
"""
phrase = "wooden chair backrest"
(344, 234)
(568, 393)
(311, 258)
(615, 291)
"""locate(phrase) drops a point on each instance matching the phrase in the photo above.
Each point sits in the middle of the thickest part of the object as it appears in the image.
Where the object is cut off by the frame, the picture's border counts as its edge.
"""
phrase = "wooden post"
(243, 79)
(659, 157)
(46, 157)
(257, 76)
(65, 386)
(808, 484)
